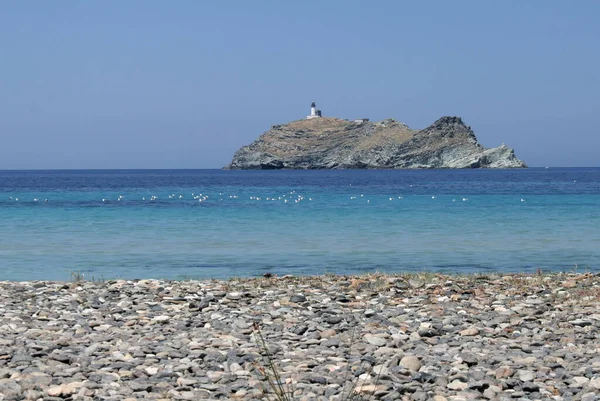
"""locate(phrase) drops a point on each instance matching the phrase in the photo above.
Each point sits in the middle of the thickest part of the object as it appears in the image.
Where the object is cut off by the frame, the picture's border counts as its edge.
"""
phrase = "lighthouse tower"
(314, 112)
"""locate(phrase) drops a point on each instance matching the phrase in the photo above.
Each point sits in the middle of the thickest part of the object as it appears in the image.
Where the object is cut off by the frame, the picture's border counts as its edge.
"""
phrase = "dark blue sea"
(181, 224)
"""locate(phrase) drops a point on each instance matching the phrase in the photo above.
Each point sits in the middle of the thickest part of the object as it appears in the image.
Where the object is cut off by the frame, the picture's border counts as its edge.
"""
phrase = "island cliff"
(333, 143)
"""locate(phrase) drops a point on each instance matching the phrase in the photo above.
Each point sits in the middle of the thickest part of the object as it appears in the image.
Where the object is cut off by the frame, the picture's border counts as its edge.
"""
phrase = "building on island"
(314, 112)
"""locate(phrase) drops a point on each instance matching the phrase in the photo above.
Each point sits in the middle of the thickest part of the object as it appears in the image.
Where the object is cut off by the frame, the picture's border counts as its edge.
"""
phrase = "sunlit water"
(211, 223)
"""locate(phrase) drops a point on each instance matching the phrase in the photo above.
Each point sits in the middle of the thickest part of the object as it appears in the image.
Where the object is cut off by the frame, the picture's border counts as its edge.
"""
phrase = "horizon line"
(223, 169)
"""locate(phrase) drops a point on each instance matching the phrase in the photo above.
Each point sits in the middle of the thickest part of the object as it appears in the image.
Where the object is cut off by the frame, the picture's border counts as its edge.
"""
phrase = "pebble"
(457, 385)
(376, 336)
(55, 391)
(595, 383)
(374, 340)
(411, 363)
(471, 331)
(526, 375)
(504, 372)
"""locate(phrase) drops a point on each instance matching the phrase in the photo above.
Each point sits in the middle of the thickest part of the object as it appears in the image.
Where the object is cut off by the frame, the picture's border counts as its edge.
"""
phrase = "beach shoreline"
(381, 336)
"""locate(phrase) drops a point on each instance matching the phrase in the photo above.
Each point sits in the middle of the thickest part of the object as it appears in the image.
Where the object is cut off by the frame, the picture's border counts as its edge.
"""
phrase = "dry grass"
(385, 136)
(320, 134)
(318, 124)
(280, 388)
(574, 287)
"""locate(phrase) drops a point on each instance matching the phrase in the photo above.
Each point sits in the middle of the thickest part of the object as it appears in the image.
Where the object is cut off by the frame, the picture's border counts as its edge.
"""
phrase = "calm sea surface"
(217, 224)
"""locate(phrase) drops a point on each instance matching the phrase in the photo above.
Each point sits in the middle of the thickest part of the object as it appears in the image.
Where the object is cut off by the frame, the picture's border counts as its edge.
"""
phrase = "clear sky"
(183, 84)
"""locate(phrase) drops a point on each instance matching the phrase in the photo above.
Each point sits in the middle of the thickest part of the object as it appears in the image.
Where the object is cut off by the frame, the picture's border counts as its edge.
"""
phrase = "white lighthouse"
(314, 112)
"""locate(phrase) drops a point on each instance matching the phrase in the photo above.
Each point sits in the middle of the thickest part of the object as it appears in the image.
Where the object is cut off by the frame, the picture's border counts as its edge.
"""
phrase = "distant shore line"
(17, 170)
(427, 276)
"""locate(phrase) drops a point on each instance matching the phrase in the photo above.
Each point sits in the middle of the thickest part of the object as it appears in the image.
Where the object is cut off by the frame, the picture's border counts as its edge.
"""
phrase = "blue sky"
(157, 84)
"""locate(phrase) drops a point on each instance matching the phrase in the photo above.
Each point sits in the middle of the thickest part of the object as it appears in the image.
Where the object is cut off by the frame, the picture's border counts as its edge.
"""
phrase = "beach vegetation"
(268, 370)
(77, 276)
(279, 387)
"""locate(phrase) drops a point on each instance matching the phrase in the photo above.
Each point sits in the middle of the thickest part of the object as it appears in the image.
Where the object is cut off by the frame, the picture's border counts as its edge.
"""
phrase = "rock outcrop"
(332, 143)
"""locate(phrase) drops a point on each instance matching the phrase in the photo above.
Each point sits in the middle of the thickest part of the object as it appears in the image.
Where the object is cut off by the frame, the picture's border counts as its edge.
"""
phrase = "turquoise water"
(295, 222)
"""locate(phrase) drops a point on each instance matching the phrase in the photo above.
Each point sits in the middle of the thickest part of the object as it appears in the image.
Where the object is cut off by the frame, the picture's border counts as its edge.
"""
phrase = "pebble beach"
(333, 337)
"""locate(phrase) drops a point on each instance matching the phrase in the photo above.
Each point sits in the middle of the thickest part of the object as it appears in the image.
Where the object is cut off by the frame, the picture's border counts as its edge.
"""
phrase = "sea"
(202, 224)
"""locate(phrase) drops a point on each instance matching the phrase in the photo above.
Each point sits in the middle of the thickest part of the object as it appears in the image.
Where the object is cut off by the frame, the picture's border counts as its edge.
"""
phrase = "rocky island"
(333, 143)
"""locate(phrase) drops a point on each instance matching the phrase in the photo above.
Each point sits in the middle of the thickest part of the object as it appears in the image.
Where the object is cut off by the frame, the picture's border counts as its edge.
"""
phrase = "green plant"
(269, 370)
(77, 276)
(352, 389)
(98, 280)
(355, 387)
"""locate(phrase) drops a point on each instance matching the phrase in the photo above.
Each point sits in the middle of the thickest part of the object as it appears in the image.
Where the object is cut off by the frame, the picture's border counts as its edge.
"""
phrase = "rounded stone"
(375, 340)
(411, 363)
(457, 385)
